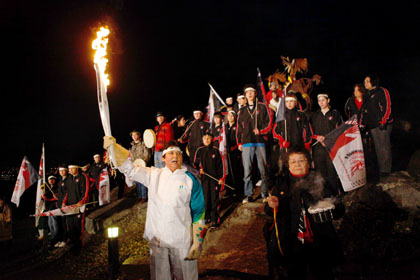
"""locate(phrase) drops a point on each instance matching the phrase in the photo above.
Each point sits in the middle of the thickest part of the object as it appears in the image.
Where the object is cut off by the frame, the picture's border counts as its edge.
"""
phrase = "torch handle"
(104, 110)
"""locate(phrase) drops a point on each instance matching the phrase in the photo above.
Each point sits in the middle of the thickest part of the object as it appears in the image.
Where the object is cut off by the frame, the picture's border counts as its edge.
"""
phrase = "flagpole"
(230, 167)
(43, 163)
(215, 93)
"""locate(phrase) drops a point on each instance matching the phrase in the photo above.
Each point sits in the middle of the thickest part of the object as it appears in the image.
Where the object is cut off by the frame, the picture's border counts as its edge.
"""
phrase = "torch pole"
(104, 111)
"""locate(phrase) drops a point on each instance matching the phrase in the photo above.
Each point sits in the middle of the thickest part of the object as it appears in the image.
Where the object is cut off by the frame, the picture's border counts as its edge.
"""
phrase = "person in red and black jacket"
(216, 128)
(323, 122)
(379, 123)
(194, 133)
(273, 88)
(63, 183)
(234, 161)
(97, 166)
(50, 198)
(164, 133)
(253, 125)
(77, 193)
(298, 132)
(357, 105)
(209, 161)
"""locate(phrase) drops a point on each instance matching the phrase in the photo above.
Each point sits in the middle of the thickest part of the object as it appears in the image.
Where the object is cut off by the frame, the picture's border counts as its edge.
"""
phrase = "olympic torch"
(99, 62)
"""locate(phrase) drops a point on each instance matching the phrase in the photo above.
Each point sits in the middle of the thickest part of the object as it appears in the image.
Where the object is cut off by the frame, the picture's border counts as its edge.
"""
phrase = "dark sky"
(164, 53)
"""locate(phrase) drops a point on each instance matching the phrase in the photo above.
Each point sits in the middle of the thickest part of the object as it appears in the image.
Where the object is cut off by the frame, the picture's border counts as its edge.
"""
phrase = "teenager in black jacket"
(323, 121)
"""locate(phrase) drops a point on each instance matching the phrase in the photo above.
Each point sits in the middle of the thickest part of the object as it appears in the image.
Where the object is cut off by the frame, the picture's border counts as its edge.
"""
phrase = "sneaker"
(62, 244)
(247, 199)
(259, 183)
(264, 199)
(56, 245)
(214, 225)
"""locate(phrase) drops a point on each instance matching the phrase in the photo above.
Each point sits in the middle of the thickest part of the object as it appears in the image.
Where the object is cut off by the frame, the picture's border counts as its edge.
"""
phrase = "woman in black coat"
(303, 241)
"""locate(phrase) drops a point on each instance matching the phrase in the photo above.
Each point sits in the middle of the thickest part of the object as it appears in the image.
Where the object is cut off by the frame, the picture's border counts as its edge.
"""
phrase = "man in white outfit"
(175, 204)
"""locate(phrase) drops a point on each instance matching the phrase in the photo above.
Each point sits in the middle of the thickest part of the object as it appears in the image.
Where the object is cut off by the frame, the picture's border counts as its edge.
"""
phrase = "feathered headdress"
(297, 65)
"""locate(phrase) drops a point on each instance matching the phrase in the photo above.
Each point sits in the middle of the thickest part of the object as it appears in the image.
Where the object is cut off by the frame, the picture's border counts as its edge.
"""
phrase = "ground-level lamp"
(113, 255)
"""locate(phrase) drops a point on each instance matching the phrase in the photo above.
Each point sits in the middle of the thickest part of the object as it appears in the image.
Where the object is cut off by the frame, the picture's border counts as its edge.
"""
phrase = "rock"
(413, 167)
(109, 214)
(404, 191)
(381, 225)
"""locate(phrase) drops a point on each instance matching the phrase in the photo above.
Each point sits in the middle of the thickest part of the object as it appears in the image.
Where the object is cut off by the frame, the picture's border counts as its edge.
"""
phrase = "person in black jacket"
(216, 128)
(96, 168)
(323, 122)
(63, 183)
(379, 123)
(234, 177)
(50, 198)
(357, 105)
(253, 125)
(209, 161)
(77, 193)
(295, 129)
(304, 238)
(194, 133)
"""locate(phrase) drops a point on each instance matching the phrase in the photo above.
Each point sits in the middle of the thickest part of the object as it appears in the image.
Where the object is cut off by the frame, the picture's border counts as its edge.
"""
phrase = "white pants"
(170, 263)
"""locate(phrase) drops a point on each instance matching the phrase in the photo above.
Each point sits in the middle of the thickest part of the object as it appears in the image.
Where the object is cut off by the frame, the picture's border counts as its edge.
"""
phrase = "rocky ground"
(380, 234)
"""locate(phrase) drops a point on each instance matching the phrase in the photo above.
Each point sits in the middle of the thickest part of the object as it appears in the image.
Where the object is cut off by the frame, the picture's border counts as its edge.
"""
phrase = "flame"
(99, 44)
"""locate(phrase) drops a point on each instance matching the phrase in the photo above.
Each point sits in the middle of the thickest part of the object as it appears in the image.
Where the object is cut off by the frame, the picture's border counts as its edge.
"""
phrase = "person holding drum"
(164, 133)
(303, 231)
(139, 154)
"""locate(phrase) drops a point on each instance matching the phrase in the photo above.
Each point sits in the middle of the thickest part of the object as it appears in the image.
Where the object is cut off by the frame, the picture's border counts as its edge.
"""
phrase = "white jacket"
(175, 202)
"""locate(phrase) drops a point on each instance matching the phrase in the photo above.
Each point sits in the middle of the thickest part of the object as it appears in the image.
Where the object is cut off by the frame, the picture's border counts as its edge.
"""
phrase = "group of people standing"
(73, 185)
(287, 157)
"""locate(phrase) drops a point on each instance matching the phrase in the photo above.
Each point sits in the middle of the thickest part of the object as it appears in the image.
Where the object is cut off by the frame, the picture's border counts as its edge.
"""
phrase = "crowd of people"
(287, 159)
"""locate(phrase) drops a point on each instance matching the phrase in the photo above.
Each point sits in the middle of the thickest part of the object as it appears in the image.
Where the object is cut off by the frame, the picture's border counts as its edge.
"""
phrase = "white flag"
(26, 177)
(345, 147)
(223, 148)
(104, 187)
(64, 211)
(39, 202)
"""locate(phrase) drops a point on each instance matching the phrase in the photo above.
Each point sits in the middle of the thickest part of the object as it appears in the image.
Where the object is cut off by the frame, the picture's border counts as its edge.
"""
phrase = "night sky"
(164, 53)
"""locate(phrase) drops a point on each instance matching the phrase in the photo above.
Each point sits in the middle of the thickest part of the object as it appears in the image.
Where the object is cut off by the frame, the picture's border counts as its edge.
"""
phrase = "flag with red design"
(64, 211)
(104, 187)
(40, 189)
(215, 103)
(223, 148)
(345, 147)
(27, 177)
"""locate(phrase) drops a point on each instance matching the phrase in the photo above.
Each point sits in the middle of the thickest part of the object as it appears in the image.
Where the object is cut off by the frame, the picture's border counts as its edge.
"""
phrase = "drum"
(149, 138)
(139, 162)
(322, 212)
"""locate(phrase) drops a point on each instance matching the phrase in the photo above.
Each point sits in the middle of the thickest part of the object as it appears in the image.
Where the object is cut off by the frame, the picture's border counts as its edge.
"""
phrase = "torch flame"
(99, 44)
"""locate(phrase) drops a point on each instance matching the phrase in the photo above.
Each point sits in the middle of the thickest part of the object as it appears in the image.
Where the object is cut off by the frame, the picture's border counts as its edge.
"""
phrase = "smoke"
(313, 184)
(325, 203)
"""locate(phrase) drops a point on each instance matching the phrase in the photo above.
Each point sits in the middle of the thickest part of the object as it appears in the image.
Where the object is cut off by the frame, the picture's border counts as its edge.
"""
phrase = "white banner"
(347, 155)
(104, 187)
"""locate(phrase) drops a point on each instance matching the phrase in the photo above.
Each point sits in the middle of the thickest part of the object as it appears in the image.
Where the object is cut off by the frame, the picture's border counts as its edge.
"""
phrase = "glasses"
(294, 162)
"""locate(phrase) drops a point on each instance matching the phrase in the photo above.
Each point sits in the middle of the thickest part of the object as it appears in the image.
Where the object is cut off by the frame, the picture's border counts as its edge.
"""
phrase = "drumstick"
(277, 230)
(217, 180)
(187, 129)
